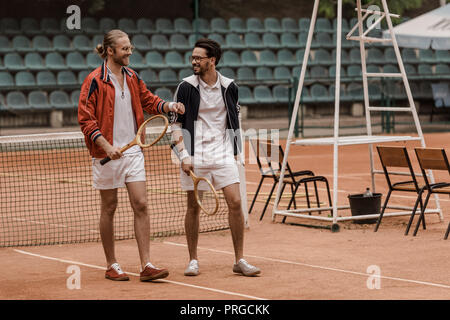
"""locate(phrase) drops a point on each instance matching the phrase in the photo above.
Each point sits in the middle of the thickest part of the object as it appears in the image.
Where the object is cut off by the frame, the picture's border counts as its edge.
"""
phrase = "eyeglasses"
(197, 58)
(126, 49)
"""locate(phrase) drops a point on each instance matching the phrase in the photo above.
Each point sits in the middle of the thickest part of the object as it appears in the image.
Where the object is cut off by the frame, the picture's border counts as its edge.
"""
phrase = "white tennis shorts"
(220, 177)
(114, 174)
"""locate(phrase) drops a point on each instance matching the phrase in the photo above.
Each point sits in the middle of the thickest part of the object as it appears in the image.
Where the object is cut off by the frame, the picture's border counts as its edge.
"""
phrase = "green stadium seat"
(145, 26)
(282, 73)
(62, 43)
(30, 26)
(66, 78)
(374, 91)
(255, 25)
(42, 43)
(82, 43)
(332, 72)
(93, 60)
(164, 25)
(410, 70)
(3, 106)
(50, 26)
(107, 24)
(97, 39)
(5, 45)
(128, 25)
(299, 54)
(34, 61)
(17, 101)
(252, 40)
(322, 57)
(55, 61)
(263, 94)
(45, 78)
(442, 69)
(424, 69)
(6, 79)
(427, 56)
(396, 91)
(286, 58)
(323, 40)
(425, 90)
(346, 44)
(148, 76)
(289, 25)
(182, 25)
(319, 72)
(218, 38)
(75, 98)
(302, 39)
(174, 59)
(24, 78)
(390, 68)
(345, 58)
(354, 71)
(248, 58)
(219, 25)
(75, 61)
(303, 24)
(155, 60)
(13, 61)
(168, 75)
(245, 74)
(234, 41)
(231, 59)
(201, 25)
(371, 68)
(409, 56)
(319, 93)
(245, 95)
(10, 26)
(442, 56)
(160, 42)
(375, 55)
(60, 100)
(289, 40)
(267, 58)
(345, 25)
(141, 42)
(323, 25)
(38, 100)
(271, 40)
(225, 71)
(82, 75)
(22, 44)
(272, 24)
(280, 93)
(137, 61)
(186, 72)
(332, 91)
(264, 74)
(355, 55)
(187, 56)
(354, 92)
(192, 39)
(179, 42)
(164, 93)
(237, 25)
(389, 55)
(89, 25)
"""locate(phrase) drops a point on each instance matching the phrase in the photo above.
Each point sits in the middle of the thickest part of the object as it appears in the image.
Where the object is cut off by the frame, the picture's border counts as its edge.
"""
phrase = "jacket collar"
(194, 80)
(104, 72)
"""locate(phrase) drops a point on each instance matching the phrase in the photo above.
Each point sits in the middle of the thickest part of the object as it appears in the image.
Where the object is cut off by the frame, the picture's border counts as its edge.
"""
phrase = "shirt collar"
(205, 85)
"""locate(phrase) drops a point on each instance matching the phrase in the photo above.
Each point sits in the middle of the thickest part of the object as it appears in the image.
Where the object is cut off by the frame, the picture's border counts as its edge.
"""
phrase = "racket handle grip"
(105, 160)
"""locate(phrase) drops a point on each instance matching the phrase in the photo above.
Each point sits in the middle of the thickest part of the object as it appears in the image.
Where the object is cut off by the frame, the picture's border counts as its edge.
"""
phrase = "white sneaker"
(245, 268)
(192, 269)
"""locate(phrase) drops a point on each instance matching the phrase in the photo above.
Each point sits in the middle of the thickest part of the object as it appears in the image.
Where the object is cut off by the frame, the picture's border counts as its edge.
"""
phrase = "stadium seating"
(280, 93)
(17, 101)
(245, 74)
(13, 61)
(21, 44)
(6, 79)
(24, 78)
(164, 93)
(271, 40)
(264, 74)
(219, 25)
(62, 43)
(66, 77)
(267, 58)
(272, 25)
(38, 100)
(45, 79)
(255, 25)
(263, 94)
(60, 100)
(182, 25)
(289, 25)
(33, 61)
(128, 26)
(234, 41)
(145, 26)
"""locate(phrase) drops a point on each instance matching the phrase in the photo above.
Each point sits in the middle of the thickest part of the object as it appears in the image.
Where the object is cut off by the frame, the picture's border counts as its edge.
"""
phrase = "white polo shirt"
(125, 127)
(213, 147)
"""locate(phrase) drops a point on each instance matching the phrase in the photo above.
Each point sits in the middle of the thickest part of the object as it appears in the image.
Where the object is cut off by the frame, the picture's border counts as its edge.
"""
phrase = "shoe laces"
(193, 264)
(116, 267)
(245, 263)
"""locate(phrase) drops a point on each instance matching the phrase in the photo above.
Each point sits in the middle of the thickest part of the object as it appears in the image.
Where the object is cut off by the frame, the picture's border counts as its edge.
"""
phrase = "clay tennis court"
(298, 263)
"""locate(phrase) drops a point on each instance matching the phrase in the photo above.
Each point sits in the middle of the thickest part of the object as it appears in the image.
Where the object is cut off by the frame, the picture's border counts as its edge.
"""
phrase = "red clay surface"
(296, 262)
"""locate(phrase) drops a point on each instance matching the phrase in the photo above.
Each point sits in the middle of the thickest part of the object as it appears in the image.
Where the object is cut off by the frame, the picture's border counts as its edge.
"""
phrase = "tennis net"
(46, 193)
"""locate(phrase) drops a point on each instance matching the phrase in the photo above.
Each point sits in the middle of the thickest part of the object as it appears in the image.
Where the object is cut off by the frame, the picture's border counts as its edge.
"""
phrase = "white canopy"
(430, 29)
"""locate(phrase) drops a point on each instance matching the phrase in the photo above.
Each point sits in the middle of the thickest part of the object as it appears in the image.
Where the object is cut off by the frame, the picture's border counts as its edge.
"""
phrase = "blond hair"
(109, 40)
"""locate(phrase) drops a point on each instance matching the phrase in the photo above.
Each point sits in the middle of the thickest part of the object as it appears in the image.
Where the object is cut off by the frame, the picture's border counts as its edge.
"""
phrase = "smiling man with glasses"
(208, 139)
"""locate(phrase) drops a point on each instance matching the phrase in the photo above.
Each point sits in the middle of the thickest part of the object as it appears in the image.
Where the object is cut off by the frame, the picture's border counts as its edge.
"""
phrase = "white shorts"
(114, 174)
(220, 177)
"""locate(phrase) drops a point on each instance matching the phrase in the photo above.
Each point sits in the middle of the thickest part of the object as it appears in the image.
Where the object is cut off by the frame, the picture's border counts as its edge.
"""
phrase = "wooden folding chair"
(269, 157)
(432, 159)
(397, 157)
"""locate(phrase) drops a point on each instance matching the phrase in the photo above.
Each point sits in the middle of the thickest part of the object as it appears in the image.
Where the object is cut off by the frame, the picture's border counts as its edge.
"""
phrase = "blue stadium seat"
(319, 72)
(286, 58)
(296, 71)
(280, 93)
(183, 25)
(389, 55)
(128, 26)
(299, 55)
(34, 61)
(255, 25)
(164, 93)
(245, 74)
(82, 75)
(13, 61)
(60, 100)
(354, 71)
(174, 59)
(354, 92)
(160, 42)
(186, 72)
(5, 45)
(218, 38)
(24, 78)
(332, 91)
(442, 56)
(45, 78)
(264, 74)
(272, 24)
(237, 25)
(390, 68)
(164, 25)
(289, 40)
(282, 73)
(17, 101)
(42, 44)
(267, 58)
(179, 41)
(201, 25)
(271, 40)
(253, 40)
(75, 61)
(302, 39)
(141, 42)
(6, 79)
(168, 75)
(248, 57)
(332, 72)
(323, 25)
(231, 59)
(82, 43)
(303, 24)
(148, 76)
(62, 43)
(323, 40)
(93, 60)
(375, 55)
(410, 70)
(66, 78)
(245, 95)
(155, 60)
(137, 61)
(55, 61)
(145, 26)
(355, 55)
(219, 25)
(21, 43)
(38, 100)
(442, 69)
(289, 25)
(322, 57)
(234, 41)
(409, 55)
(319, 93)
(425, 69)
(263, 94)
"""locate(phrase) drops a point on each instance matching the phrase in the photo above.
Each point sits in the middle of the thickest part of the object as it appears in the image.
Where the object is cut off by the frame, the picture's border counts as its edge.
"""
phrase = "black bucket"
(364, 205)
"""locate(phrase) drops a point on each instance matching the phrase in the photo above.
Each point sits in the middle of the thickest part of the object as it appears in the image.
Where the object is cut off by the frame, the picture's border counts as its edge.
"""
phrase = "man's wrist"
(184, 154)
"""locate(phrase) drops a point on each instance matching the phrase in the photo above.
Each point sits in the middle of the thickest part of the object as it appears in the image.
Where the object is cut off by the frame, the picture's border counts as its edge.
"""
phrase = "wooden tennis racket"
(143, 139)
(204, 192)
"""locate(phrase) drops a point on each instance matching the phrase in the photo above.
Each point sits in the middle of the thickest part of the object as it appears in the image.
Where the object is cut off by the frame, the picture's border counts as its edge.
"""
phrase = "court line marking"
(137, 275)
(320, 267)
